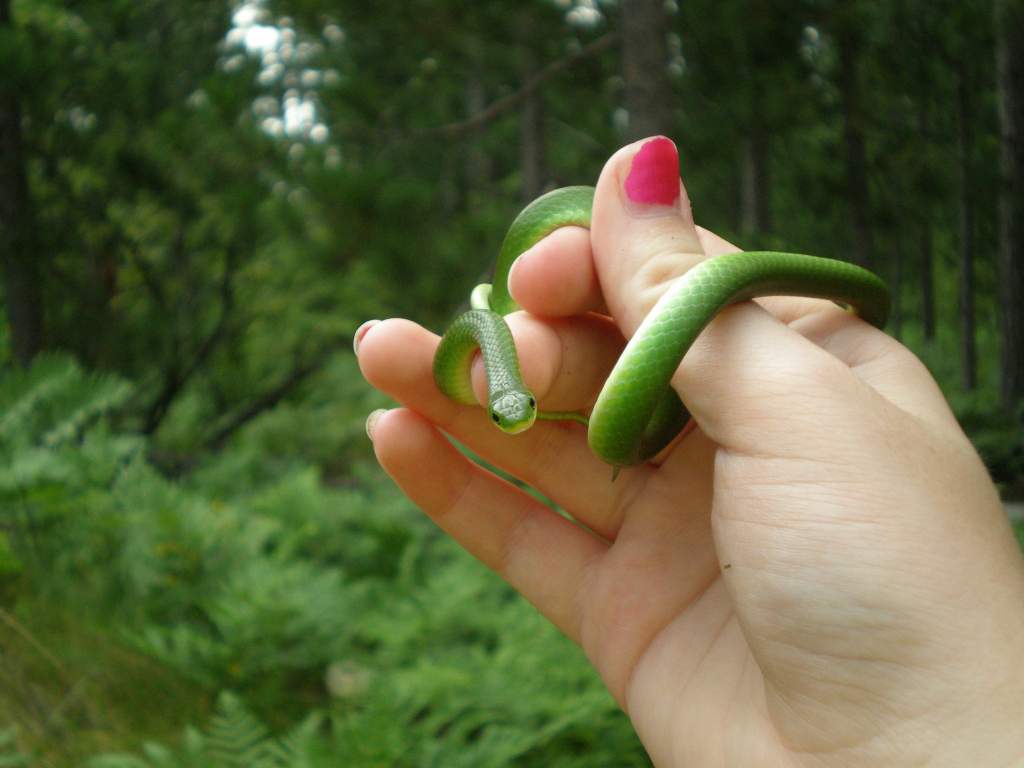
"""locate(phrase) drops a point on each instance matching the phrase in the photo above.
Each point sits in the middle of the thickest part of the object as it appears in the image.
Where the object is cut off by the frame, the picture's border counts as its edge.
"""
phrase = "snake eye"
(494, 418)
(533, 403)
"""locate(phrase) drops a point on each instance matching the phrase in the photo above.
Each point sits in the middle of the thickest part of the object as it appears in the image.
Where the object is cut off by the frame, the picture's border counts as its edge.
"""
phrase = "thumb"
(642, 234)
(748, 371)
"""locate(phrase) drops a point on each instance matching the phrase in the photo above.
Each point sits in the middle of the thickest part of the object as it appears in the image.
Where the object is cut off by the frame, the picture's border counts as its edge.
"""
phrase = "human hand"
(820, 574)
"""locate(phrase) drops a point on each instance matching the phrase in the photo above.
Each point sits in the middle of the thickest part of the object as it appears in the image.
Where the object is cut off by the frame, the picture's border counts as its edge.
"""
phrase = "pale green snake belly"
(637, 412)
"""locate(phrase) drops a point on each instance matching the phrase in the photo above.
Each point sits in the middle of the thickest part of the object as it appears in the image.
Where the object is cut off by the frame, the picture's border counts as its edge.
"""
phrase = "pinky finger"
(541, 554)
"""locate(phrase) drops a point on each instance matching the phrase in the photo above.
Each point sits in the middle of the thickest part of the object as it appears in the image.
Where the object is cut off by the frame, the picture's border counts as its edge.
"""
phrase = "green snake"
(637, 413)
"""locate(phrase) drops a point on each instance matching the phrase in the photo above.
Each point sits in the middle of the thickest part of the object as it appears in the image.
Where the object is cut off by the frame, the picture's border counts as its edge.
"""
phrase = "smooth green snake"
(637, 413)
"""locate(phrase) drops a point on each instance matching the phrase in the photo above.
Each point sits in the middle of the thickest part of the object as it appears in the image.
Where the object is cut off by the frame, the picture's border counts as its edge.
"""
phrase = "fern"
(44, 408)
(51, 402)
(234, 738)
(32, 468)
(251, 574)
(118, 760)
(24, 391)
(10, 755)
(75, 407)
(295, 749)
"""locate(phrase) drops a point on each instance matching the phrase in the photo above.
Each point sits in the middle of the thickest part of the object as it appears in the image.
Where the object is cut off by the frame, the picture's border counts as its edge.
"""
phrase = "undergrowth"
(254, 613)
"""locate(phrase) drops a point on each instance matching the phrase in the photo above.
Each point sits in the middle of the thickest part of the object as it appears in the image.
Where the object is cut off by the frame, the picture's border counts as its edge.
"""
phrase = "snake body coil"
(637, 412)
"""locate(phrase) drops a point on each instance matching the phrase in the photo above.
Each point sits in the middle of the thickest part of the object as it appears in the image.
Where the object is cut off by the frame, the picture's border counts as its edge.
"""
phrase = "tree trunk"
(645, 68)
(450, 183)
(926, 249)
(896, 317)
(927, 281)
(531, 135)
(1010, 68)
(477, 163)
(755, 209)
(968, 352)
(855, 152)
(18, 256)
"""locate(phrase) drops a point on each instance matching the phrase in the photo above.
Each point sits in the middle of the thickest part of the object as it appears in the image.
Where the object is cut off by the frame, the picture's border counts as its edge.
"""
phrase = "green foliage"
(340, 609)
(48, 405)
(998, 439)
(10, 755)
(193, 507)
(56, 451)
(234, 738)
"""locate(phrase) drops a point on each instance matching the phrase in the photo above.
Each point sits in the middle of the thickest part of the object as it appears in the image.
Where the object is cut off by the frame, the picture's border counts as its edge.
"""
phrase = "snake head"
(513, 412)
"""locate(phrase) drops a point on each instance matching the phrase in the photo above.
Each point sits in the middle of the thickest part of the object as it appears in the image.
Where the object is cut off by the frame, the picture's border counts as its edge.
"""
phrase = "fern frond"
(23, 391)
(95, 395)
(52, 401)
(10, 755)
(118, 760)
(159, 755)
(294, 749)
(32, 467)
(236, 738)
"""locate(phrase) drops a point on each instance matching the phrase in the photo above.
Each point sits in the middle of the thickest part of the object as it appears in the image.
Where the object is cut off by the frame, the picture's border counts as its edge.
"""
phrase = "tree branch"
(176, 379)
(268, 399)
(149, 279)
(505, 103)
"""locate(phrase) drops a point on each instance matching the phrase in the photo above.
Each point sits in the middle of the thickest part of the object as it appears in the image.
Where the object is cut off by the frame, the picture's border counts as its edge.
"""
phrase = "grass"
(72, 690)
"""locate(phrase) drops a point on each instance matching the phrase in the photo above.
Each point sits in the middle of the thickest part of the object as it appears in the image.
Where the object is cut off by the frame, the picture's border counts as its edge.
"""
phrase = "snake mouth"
(516, 428)
(513, 425)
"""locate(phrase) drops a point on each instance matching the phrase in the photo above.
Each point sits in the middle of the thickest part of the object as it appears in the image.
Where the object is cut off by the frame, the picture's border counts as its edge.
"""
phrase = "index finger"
(559, 276)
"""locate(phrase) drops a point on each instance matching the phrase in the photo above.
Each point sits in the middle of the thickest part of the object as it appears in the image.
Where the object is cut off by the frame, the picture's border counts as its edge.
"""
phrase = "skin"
(819, 574)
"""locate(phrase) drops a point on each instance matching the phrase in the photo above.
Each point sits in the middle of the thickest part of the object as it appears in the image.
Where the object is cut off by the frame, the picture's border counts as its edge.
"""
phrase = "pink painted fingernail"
(361, 331)
(653, 180)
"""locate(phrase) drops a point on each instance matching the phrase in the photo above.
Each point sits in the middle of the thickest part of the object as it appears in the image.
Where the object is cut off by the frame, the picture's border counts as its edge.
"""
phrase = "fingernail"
(515, 264)
(371, 421)
(360, 332)
(652, 185)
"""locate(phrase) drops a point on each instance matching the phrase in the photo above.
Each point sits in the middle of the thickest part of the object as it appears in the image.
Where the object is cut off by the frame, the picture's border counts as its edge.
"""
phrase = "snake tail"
(568, 206)
(634, 393)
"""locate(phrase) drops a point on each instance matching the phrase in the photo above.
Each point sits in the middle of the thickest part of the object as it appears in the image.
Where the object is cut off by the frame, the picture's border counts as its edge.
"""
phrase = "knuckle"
(667, 256)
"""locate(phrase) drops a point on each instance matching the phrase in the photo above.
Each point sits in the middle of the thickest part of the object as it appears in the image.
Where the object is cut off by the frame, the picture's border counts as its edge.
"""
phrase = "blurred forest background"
(200, 563)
